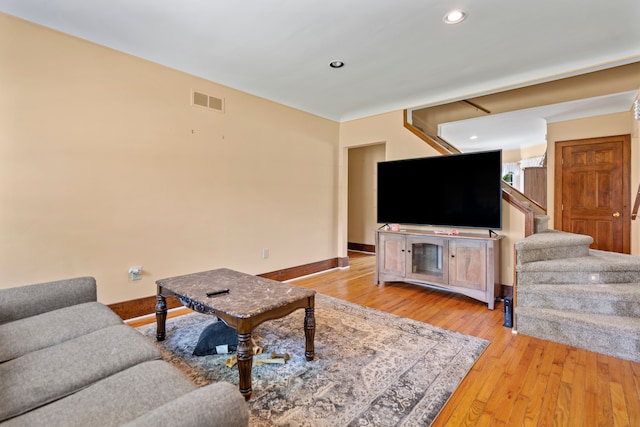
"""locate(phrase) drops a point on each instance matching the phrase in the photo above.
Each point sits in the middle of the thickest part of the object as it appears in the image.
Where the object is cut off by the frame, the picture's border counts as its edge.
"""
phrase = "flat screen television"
(457, 190)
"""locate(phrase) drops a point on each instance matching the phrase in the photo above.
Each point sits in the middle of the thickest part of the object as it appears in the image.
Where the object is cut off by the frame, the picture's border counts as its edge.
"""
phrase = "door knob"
(616, 214)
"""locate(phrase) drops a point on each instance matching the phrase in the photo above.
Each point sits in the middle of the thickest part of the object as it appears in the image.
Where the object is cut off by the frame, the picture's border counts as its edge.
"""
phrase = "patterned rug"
(371, 368)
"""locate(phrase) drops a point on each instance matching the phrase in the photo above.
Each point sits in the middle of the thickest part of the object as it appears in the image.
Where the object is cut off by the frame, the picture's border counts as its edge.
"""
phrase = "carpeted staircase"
(568, 293)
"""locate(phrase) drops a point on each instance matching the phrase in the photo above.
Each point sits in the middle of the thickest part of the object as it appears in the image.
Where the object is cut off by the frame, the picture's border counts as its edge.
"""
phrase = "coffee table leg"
(309, 331)
(161, 317)
(245, 362)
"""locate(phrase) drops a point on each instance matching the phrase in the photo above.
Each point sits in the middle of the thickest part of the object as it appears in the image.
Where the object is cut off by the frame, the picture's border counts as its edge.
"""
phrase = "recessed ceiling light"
(455, 16)
(336, 64)
(473, 137)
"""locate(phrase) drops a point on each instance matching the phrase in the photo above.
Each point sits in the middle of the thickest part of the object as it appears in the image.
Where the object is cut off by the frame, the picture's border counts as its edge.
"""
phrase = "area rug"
(371, 368)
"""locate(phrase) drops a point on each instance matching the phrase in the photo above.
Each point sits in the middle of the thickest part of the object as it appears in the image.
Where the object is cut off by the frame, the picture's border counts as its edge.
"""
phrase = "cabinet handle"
(453, 256)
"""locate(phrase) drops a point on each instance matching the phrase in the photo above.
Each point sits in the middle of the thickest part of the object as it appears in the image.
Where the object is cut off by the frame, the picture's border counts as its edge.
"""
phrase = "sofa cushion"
(114, 400)
(215, 405)
(45, 375)
(44, 330)
(26, 301)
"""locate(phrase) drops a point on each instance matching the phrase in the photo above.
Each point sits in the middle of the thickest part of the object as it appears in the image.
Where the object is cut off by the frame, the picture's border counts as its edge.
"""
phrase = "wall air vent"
(203, 100)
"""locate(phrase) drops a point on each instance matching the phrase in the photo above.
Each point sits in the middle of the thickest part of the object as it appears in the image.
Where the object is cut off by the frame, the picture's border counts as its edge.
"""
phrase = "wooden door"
(592, 190)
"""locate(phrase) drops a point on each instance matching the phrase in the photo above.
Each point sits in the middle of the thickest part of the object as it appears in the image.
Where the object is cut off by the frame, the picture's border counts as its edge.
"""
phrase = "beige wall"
(511, 156)
(607, 125)
(533, 151)
(514, 156)
(104, 165)
(362, 185)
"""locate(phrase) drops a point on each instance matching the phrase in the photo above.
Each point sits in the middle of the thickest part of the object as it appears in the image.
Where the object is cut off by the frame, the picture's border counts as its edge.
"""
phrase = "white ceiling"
(398, 54)
(528, 127)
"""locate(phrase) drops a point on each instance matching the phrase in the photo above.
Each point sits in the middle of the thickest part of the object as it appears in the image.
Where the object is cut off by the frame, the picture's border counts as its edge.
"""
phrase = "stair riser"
(577, 335)
(545, 254)
(541, 223)
(581, 303)
(574, 277)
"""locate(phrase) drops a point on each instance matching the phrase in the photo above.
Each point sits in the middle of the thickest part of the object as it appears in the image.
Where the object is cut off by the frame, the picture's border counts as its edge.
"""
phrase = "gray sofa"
(67, 360)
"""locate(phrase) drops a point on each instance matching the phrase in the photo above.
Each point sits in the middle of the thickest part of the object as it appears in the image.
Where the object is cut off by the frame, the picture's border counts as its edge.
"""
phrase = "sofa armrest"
(217, 404)
(26, 301)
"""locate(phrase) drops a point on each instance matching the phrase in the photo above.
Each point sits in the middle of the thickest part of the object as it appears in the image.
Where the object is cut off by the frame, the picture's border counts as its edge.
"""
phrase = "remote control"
(218, 292)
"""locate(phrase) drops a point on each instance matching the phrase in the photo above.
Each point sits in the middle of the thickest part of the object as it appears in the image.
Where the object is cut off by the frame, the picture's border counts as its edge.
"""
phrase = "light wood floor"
(518, 380)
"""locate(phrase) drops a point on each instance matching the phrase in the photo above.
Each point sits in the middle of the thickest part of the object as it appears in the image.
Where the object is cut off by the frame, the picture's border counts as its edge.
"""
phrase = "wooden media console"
(465, 263)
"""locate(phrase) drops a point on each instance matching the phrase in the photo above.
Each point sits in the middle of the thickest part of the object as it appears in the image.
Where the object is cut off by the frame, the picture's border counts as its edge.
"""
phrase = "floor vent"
(203, 100)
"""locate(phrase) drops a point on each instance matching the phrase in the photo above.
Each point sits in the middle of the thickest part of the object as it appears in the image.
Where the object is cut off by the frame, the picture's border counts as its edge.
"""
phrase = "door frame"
(626, 182)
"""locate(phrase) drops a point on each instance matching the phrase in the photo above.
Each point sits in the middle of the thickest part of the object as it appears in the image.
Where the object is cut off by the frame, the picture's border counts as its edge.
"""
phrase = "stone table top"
(248, 295)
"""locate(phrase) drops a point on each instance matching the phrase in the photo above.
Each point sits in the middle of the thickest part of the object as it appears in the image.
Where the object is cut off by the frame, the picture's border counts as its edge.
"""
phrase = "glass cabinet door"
(427, 259)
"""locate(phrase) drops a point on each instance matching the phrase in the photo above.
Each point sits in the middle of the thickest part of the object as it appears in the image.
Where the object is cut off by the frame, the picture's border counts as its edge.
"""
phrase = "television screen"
(457, 190)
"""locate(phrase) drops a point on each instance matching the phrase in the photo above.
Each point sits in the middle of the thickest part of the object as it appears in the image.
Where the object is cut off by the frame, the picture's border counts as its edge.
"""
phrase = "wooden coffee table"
(250, 300)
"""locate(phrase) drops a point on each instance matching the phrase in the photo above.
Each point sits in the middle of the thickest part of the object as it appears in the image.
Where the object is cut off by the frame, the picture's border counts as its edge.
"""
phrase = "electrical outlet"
(136, 272)
(265, 253)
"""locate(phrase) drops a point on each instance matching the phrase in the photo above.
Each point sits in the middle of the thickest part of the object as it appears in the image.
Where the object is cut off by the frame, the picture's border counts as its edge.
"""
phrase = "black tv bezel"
(495, 224)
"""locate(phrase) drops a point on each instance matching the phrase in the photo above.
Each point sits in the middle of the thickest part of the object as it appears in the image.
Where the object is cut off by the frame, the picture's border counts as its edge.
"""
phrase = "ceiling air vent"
(201, 99)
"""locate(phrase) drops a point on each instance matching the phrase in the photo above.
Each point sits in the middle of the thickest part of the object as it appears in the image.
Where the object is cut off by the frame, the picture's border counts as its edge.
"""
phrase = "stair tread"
(603, 322)
(556, 238)
(595, 261)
